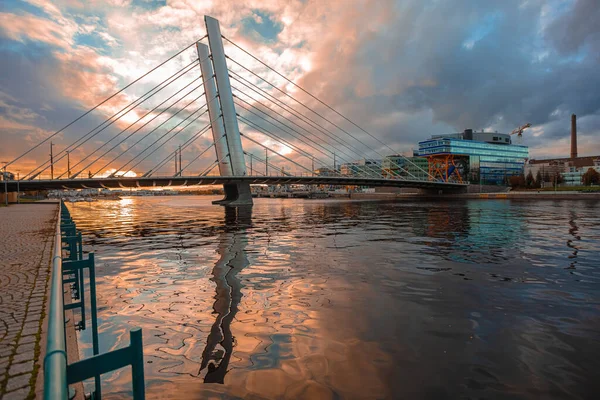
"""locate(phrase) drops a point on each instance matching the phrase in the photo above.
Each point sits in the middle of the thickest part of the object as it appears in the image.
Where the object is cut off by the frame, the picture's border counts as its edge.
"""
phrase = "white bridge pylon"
(223, 117)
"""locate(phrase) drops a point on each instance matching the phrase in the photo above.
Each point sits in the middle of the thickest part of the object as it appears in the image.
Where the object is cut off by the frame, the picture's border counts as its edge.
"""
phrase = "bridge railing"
(70, 269)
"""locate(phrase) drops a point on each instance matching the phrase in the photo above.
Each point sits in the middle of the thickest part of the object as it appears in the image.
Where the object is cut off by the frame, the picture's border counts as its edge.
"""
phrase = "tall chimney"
(573, 136)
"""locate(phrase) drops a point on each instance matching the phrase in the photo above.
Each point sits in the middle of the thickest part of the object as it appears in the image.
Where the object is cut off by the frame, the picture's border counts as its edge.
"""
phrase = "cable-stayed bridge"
(264, 129)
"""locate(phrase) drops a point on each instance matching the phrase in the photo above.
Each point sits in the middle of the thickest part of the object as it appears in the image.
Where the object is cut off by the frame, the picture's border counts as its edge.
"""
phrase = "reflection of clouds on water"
(346, 299)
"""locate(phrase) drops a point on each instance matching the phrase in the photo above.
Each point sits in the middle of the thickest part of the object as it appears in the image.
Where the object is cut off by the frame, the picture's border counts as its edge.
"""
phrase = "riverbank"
(529, 195)
(26, 245)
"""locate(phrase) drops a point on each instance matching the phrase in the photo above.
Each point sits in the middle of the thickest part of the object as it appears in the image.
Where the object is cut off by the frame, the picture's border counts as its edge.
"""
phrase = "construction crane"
(519, 132)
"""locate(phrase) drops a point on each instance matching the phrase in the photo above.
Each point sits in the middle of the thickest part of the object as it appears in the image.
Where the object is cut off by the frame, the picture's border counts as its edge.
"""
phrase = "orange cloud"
(21, 27)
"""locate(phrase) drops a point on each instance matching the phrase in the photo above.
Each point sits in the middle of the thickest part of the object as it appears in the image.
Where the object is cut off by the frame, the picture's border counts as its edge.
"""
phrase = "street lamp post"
(5, 185)
(68, 165)
(18, 191)
(51, 162)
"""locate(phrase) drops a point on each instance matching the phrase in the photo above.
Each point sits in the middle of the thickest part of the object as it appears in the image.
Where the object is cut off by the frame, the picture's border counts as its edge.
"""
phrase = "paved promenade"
(26, 240)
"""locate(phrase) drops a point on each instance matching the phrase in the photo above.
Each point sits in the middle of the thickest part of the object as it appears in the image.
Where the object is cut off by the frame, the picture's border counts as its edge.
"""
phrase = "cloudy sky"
(402, 70)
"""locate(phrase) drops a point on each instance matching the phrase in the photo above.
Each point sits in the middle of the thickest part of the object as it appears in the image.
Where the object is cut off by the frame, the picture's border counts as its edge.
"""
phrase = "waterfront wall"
(12, 197)
(485, 196)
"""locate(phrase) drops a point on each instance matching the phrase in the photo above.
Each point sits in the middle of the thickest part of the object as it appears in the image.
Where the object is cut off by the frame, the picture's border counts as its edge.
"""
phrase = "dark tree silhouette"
(591, 177)
(529, 181)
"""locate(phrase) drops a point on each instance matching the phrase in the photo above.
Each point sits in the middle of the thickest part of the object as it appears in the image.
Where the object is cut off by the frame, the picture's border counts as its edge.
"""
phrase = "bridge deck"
(127, 182)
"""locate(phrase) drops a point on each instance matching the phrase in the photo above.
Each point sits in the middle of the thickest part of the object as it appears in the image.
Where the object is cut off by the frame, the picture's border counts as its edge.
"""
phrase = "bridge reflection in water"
(232, 249)
(349, 299)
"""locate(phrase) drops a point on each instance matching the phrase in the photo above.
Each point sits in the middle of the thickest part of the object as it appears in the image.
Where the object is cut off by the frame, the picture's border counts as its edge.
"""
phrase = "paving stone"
(16, 369)
(30, 331)
(19, 394)
(31, 325)
(34, 318)
(25, 347)
(24, 264)
(26, 356)
(27, 339)
(17, 382)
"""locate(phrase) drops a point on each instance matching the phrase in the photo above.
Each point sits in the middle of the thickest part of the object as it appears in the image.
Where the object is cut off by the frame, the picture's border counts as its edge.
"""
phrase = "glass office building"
(493, 158)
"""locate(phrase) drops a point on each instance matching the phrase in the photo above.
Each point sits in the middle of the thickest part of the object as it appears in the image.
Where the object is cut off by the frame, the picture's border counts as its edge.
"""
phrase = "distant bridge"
(166, 181)
(294, 127)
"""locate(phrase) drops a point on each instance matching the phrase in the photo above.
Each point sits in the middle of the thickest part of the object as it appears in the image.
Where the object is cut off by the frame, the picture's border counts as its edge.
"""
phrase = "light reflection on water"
(346, 299)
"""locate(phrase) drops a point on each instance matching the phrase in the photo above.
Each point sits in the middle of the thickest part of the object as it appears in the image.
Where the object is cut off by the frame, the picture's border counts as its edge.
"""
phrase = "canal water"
(320, 299)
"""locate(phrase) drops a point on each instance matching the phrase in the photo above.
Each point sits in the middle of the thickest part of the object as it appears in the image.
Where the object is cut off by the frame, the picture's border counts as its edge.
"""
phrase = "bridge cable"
(287, 143)
(161, 137)
(284, 142)
(195, 158)
(185, 144)
(122, 167)
(74, 145)
(295, 113)
(104, 101)
(135, 122)
(327, 120)
(168, 157)
(261, 130)
(273, 166)
(274, 136)
(248, 166)
(325, 153)
(210, 167)
(143, 125)
(301, 117)
(323, 103)
(279, 154)
(376, 172)
(152, 131)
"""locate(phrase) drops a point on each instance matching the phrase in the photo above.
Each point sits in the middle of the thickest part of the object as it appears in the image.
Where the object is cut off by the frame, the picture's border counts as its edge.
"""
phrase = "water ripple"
(343, 299)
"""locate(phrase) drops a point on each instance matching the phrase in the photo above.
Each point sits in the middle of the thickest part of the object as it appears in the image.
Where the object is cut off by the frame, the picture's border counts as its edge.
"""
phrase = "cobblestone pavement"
(26, 240)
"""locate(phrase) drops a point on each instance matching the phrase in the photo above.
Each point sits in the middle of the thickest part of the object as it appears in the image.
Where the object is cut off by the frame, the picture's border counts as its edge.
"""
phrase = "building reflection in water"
(475, 232)
(573, 231)
(232, 250)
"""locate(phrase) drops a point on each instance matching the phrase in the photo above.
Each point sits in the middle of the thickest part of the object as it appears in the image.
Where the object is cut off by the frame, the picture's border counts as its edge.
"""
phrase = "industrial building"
(571, 169)
(477, 157)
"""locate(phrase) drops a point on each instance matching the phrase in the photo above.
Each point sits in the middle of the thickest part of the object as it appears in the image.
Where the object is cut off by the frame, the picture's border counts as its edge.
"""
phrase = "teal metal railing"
(68, 267)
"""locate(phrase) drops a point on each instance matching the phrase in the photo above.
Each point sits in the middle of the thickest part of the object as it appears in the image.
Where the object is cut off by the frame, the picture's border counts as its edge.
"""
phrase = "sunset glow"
(387, 65)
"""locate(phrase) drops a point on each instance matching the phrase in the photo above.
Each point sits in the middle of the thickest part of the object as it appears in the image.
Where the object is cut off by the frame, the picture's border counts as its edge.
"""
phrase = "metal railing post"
(94, 311)
(137, 363)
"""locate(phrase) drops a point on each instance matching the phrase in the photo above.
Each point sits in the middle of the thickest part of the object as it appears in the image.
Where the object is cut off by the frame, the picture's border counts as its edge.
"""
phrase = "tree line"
(591, 177)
